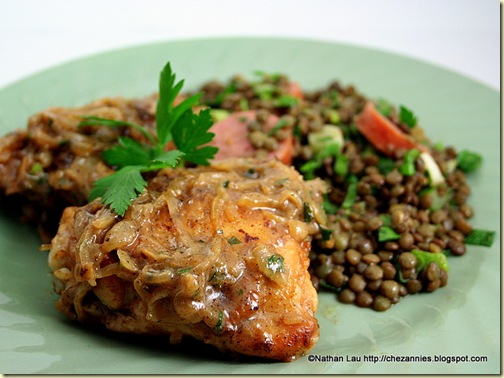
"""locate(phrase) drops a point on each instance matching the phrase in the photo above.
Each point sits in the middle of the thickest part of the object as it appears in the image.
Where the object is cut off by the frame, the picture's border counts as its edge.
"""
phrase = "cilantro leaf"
(166, 159)
(190, 132)
(118, 189)
(468, 161)
(386, 233)
(98, 121)
(407, 117)
(480, 237)
(127, 152)
(166, 114)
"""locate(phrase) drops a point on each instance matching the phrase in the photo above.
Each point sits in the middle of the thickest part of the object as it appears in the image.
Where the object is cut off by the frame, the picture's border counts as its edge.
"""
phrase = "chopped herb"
(424, 258)
(351, 193)
(297, 132)
(438, 146)
(332, 149)
(275, 263)
(341, 165)
(279, 125)
(217, 276)
(334, 116)
(386, 233)
(468, 161)
(263, 75)
(407, 117)
(188, 130)
(308, 212)
(325, 285)
(233, 240)
(217, 101)
(281, 182)
(219, 326)
(328, 206)
(308, 169)
(264, 91)
(244, 105)
(407, 168)
(184, 270)
(335, 97)
(326, 233)
(386, 219)
(225, 184)
(251, 173)
(480, 237)
(385, 165)
(286, 101)
(36, 168)
(384, 107)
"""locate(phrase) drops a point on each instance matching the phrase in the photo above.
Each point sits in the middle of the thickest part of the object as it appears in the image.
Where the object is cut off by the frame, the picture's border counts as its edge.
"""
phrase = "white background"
(462, 35)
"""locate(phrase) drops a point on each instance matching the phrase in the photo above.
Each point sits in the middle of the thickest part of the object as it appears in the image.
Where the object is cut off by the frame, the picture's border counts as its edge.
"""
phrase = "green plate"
(461, 320)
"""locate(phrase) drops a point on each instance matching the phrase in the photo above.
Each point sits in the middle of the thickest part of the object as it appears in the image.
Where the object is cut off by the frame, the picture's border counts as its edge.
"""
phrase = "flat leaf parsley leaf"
(119, 188)
(188, 130)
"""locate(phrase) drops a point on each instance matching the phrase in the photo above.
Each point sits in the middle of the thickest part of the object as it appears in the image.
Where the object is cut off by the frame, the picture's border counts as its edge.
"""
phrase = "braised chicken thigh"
(219, 253)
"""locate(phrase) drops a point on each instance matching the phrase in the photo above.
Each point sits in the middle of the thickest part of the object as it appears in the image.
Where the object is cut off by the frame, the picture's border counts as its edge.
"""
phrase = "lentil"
(381, 303)
(433, 219)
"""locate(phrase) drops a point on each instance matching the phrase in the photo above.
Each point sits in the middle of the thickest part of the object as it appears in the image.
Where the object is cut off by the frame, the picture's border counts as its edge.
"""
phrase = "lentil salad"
(397, 205)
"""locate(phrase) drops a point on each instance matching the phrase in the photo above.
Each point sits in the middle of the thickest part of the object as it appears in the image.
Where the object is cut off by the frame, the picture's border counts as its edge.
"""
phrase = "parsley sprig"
(188, 131)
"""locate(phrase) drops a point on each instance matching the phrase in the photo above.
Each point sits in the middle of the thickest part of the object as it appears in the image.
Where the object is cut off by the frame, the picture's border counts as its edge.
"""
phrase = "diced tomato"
(382, 132)
(232, 140)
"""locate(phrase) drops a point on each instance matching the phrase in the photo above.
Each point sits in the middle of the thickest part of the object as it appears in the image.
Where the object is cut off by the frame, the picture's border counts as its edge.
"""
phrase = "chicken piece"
(53, 163)
(218, 253)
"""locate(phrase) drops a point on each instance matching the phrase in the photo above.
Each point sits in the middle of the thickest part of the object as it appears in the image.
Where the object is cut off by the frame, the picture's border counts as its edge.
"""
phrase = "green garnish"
(275, 263)
(351, 193)
(386, 233)
(325, 285)
(184, 270)
(468, 161)
(407, 168)
(341, 165)
(285, 101)
(384, 107)
(233, 240)
(480, 237)
(219, 326)
(424, 258)
(328, 206)
(386, 219)
(244, 105)
(326, 233)
(385, 165)
(279, 125)
(308, 169)
(307, 212)
(188, 130)
(407, 117)
(217, 101)
(36, 168)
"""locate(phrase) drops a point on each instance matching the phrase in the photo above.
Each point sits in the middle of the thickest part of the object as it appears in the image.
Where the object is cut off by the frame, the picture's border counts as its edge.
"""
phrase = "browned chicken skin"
(218, 253)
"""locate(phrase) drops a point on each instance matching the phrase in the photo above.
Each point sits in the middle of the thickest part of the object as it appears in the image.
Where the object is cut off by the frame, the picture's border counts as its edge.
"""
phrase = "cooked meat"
(218, 253)
(53, 163)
